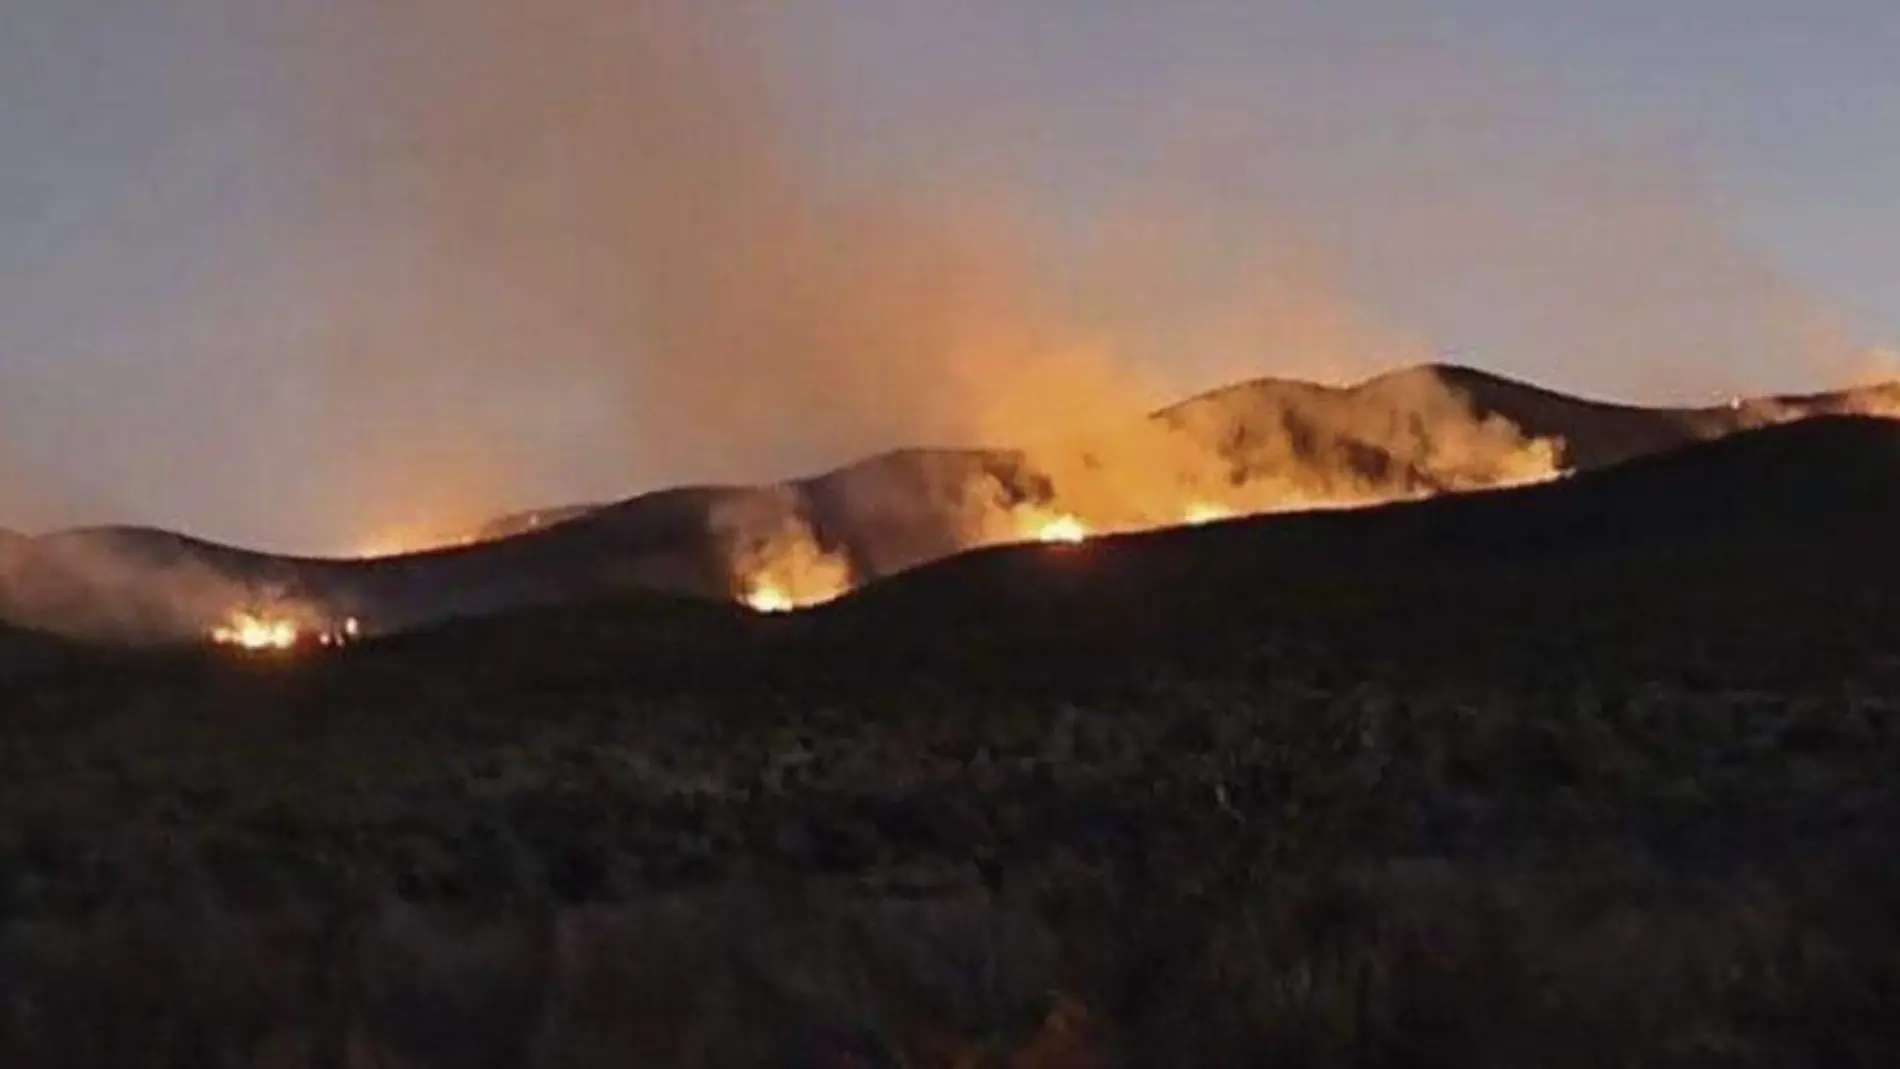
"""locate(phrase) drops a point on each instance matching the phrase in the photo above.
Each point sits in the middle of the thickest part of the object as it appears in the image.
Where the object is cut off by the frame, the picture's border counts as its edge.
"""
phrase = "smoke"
(1881, 400)
(637, 219)
(531, 252)
(776, 559)
(633, 219)
(1267, 448)
(605, 200)
(132, 587)
(626, 203)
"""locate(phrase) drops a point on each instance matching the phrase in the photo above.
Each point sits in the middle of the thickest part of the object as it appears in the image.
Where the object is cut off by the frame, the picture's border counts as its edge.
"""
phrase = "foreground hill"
(1587, 773)
(27, 654)
(1260, 446)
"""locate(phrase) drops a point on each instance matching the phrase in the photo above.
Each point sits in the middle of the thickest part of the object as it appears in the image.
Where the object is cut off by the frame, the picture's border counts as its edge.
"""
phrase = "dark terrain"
(883, 515)
(1597, 772)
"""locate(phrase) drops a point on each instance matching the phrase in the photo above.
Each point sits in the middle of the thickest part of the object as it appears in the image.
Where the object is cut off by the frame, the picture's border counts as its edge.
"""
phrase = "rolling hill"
(1793, 512)
(1601, 740)
(1264, 445)
(1813, 487)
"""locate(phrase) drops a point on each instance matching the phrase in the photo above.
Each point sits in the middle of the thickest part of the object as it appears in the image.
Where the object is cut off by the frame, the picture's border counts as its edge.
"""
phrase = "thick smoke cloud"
(606, 198)
(634, 202)
(531, 251)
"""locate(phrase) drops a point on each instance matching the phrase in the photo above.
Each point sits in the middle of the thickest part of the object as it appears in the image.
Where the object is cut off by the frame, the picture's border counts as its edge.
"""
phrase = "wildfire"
(264, 633)
(1205, 512)
(248, 631)
(1064, 529)
(786, 567)
(767, 597)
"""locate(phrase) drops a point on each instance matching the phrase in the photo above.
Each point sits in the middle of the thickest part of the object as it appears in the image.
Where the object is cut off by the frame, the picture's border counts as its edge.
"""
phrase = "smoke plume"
(132, 586)
(632, 205)
(775, 557)
(542, 250)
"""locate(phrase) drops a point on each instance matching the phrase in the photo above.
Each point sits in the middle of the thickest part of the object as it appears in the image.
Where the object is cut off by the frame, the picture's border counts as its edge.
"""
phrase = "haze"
(298, 278)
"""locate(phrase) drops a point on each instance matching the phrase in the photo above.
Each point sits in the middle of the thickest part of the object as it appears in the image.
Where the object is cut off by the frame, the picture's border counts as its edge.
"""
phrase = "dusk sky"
(289, 279)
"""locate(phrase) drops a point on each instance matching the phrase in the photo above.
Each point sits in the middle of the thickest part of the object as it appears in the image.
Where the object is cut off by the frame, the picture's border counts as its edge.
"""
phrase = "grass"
(1408, 962)
(1627, 811)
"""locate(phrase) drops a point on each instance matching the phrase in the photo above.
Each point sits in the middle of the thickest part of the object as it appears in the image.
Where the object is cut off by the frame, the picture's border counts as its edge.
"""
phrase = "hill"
(1812, 487)
(516, 523)
(1608, 760)
(1810, 503)
(1268, 444)
(1594, 433)
(1265, 445)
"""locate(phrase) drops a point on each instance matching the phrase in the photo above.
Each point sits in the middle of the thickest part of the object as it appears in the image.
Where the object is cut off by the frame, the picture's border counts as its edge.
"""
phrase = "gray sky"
(292, 278)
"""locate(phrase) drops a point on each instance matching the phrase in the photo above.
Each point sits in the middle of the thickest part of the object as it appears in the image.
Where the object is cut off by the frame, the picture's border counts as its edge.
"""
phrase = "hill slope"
(1823, 492)
(1608, 760)
(1810, 505)
(1261, 445)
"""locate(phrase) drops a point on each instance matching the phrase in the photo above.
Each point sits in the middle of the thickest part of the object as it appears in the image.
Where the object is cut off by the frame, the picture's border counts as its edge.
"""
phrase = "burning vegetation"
(1259, 449)
(1063, 529)
(778, 561)
(265, 631)
(1201, 512)
(253, 632)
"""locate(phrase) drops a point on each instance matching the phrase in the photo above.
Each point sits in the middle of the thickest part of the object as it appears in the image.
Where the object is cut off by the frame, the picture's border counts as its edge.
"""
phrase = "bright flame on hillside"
(768, 597)
(764, 595)
(778, 563)
(264, 633)
(1065, 529)
(252, 632)
(1206, 512)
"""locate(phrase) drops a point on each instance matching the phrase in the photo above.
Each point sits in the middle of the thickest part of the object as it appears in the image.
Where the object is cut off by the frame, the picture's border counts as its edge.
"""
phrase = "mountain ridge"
(887, 513)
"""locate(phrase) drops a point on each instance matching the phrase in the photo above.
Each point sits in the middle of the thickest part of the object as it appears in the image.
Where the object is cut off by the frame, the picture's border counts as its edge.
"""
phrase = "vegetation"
(1618, 809)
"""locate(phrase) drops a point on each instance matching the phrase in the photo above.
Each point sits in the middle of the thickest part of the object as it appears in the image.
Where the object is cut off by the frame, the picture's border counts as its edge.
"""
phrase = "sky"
(296, 275)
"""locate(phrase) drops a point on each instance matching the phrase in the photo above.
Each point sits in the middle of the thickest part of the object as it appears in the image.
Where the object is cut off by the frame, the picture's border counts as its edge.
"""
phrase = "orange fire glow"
(768, 597)
(1201, 512)
(259, 632)
(1064, 529)
(411, 538)
(764, 595)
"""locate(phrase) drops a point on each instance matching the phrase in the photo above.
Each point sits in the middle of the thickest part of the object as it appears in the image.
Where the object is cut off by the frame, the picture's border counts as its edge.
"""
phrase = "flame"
(765, 594)
(1200, 512)
(262, 632)
(1064, 529)
(768, 597)
(258, 633)
(778, 564)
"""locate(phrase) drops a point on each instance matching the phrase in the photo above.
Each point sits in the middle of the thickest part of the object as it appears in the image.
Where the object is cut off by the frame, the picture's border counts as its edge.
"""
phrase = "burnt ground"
(1600, 773)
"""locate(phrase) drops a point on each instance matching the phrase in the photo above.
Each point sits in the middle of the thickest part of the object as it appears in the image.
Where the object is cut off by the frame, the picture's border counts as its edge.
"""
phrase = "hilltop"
(1268, 444)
